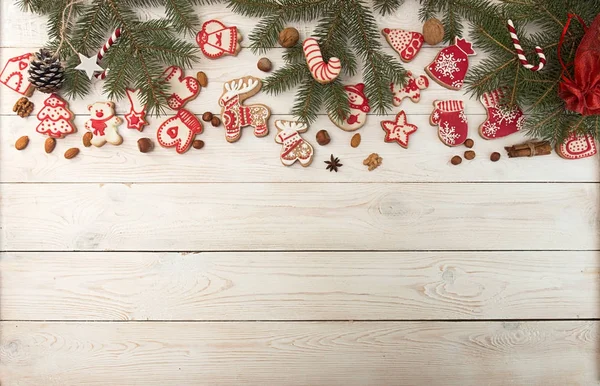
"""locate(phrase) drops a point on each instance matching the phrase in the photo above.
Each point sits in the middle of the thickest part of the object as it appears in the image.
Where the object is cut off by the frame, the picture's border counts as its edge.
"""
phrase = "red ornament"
(581, 92)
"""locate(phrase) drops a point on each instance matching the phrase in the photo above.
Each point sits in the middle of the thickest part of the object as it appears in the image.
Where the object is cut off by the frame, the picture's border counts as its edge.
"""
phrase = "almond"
(355, 141)
(87, 139)
(49, 145)
(202, 79)
(22, 143)
(71, 153)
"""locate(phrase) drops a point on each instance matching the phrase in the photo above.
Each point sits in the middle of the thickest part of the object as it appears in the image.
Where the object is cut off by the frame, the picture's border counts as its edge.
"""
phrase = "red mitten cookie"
(181, 89)
(216, 40)
(450, 66)
(577, 147)
(412, 89)
(179, 131)
(451, 120)
(501, 119)
(406, 43)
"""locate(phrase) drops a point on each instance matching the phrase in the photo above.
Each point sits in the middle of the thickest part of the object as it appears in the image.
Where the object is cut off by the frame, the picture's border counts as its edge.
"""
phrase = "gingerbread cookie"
(236, 115)
(449, 116)
(406, 43)
(501, 120)
(412, 89)
(215, 39)
(322, 72)
(56, 120)
(104, 124)
(450, 66)
(295, 148)
(359, 107)
(398, 130)
(181, 89)
(137, 110)
(179, 131)
(15, 76)
(577, 147)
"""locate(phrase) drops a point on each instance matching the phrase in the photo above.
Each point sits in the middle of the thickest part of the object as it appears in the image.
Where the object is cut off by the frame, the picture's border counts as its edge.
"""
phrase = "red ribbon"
(581, 93)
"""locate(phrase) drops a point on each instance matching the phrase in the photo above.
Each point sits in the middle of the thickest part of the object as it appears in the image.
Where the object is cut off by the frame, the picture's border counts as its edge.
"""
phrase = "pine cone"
(46, 73)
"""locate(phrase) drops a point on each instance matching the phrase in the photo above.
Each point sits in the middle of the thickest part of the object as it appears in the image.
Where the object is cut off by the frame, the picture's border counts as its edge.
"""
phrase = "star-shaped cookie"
(398, 130)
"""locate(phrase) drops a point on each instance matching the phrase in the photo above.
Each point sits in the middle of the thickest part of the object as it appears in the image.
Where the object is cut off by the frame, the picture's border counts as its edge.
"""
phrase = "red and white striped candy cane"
(322, 72)
(111, 40)
(521, 53)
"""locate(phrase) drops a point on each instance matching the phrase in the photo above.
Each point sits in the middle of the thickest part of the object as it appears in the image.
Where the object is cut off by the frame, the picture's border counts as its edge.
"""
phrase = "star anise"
(333, 164)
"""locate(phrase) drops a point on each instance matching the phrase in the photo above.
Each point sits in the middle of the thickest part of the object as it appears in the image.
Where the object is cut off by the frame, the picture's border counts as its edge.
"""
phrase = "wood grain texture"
(257, 159)
(207, 217)
(299, 286)
(334, 353)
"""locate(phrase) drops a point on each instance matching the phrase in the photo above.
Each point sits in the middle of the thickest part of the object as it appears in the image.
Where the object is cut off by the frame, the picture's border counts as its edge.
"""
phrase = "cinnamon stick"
(529, 149)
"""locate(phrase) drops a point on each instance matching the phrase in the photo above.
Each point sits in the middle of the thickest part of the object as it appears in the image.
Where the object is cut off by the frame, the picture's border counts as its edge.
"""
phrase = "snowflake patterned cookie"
(294, 147)
(104, 124)
(450, 66)
(216, 40)
(412, 89)
(501, 120)
(577, 147)
(398, 130)
(56, 120)
(449, 116)
(406, 43)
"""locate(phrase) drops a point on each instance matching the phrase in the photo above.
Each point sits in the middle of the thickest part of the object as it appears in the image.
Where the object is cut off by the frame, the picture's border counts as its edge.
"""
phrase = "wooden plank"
(233, 217)
(338, 353)
(293, 286)
(227, 68)
(257, 159)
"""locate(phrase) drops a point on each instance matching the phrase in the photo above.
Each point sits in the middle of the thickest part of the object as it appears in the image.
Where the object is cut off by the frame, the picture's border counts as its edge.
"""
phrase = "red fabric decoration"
(582, 93)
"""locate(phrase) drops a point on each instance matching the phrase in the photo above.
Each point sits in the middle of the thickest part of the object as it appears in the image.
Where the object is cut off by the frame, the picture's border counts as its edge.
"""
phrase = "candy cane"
(521, 53)
(111, 40)
(322, 72)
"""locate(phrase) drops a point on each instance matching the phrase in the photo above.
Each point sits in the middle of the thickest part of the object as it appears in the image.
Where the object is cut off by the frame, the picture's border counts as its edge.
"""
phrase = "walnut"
(433, 31)
(373, 161)
(23, 107)
(289, 37)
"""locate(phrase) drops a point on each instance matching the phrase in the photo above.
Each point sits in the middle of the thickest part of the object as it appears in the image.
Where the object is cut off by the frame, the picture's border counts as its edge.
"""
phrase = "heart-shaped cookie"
(577, 147)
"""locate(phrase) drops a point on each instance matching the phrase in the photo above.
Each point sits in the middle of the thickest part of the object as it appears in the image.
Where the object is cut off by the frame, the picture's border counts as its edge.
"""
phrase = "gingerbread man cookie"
(103, 124)
(295, 148)
(577, 147)
(15, 76)
(501, 120)
(216, 40)
(181, 89)
(236, 115)
(412, 89)
(137, 110)
(398, 130)
(359, 107)
(450, 66)
(406, 43)
(179, 131)
(449, 116)
(56, 120)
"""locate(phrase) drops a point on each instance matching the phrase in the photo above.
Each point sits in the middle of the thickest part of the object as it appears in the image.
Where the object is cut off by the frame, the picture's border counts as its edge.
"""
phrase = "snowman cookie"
(359, 107)
(103, 124)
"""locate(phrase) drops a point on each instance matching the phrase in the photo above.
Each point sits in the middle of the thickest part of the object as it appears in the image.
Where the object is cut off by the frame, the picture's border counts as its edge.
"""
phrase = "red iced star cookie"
(398, 130)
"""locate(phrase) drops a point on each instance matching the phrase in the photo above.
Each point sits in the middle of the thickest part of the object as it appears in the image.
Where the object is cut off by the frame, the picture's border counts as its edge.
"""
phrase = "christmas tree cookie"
(55, 118)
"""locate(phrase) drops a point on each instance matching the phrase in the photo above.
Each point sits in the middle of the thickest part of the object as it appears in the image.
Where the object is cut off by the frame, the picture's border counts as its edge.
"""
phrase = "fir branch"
(286, 78)
(182, 16)
(309, 98)
(266, 33)
(336, 101)
(386, 7)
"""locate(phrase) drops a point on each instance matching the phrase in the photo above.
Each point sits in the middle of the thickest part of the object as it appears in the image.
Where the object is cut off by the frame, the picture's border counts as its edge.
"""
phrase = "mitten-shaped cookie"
(179, 131)
(501, 120)
(451, 120)
(181, 89)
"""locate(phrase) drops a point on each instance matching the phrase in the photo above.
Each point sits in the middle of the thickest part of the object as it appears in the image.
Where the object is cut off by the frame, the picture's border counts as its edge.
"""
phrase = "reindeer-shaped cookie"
(295, 148)
(235, 115)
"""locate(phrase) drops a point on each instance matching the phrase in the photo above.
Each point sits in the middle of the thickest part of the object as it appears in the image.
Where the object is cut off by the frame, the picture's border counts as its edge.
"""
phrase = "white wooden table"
(222, 266)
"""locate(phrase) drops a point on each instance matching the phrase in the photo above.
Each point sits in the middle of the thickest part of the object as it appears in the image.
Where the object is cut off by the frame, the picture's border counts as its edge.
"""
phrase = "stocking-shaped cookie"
(406, 43)
(412, 89)
(179, 131)
(295, 148)
(577, 147)
(181, 89)
(103, 124)
(216, 40)
(501, 120)
(451, 120)
(450, 66)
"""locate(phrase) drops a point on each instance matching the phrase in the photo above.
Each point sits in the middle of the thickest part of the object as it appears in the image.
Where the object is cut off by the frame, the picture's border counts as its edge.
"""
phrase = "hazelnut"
(456, 160)
(198, 144)
(469, 155)
(265, 65)
(289, 37)
(323, 137)
(207, 116)
(495, 157)
(49, 145)
(87, 139)
(202, 79)
(145, 145)
(433, 31)
(355, 141)
(469, 143)
(215, 121)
